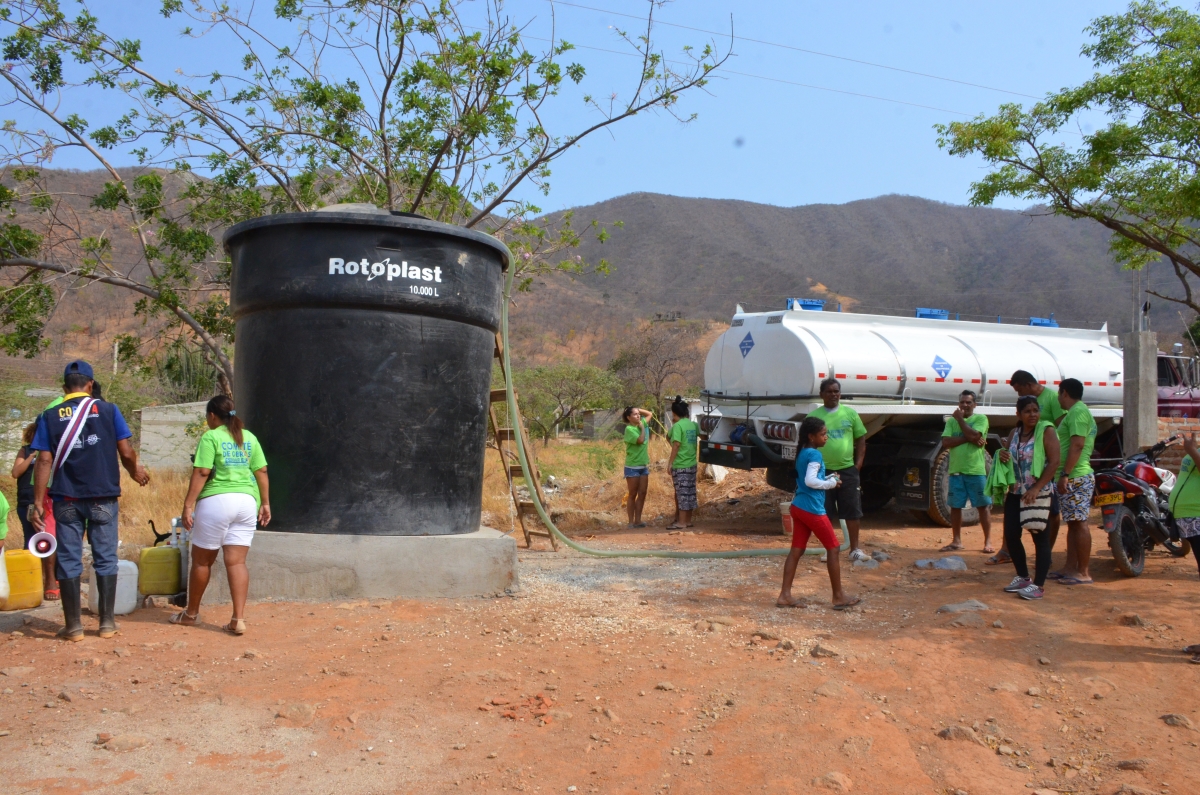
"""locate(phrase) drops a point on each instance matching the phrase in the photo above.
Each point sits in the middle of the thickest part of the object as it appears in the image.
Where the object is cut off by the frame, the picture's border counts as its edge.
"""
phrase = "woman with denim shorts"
(637, 461)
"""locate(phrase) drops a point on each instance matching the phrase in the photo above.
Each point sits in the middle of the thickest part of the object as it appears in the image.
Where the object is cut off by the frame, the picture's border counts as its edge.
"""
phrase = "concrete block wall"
(165, 442)
(1171, 426)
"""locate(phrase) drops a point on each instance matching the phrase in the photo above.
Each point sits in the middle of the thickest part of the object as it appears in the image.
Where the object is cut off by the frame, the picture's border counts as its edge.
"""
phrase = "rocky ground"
(614, 676)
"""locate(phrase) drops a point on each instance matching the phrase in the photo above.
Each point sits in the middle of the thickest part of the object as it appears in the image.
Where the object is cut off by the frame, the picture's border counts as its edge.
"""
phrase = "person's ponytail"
(222, 407)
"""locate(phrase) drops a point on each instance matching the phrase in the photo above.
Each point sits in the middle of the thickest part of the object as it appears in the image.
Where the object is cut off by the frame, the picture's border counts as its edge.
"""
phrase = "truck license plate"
(1109, 499)
(789, 451)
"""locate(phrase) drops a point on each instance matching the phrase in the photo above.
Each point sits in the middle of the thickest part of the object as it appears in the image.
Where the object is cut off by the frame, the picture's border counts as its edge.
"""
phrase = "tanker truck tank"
(903, 375)
(904, 358)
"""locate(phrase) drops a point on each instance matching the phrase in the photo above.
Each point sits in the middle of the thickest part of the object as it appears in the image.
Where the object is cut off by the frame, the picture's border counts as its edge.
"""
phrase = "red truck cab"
(1178, 389)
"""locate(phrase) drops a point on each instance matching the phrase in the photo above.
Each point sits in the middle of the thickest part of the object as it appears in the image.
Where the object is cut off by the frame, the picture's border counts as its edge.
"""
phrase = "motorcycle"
(1133, 500)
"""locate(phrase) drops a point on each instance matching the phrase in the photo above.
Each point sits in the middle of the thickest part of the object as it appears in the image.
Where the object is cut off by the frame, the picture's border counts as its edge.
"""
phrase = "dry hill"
(701, 257)
(890, 254)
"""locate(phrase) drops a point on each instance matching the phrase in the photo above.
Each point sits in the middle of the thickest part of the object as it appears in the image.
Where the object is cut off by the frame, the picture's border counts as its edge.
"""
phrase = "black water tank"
(363, 364)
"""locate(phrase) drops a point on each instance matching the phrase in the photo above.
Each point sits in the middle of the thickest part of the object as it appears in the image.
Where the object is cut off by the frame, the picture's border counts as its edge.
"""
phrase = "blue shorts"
(637, 472)
(968, 487)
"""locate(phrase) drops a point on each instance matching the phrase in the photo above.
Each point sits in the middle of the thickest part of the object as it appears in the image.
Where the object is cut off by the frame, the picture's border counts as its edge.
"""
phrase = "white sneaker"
(858, 554)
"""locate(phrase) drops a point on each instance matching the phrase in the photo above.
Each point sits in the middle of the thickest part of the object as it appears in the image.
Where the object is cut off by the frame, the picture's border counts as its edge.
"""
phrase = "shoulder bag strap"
(73, 432)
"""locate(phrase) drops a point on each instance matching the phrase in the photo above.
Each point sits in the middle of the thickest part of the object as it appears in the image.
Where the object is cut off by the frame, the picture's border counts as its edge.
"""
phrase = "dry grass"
(592, 487)
(160, 501)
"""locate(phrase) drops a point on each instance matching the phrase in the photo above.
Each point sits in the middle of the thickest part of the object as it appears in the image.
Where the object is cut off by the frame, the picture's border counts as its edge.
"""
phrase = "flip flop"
(797, 603)
(674, 526)
(1055, 575)
(1195, 659)
(53, 595)
(951, 548)
(1073, 581)
(1193, 649)
(848, 605)
(996, 560)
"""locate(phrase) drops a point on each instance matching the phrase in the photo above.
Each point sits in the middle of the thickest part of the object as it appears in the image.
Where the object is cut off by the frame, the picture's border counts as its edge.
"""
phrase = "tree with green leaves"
(1139, 176)
(444, 108)
(552, 396)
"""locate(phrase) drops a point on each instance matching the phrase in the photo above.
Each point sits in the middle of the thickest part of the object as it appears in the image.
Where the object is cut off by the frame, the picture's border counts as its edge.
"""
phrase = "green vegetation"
(439, 108)
(1139, 176)
(551, 397)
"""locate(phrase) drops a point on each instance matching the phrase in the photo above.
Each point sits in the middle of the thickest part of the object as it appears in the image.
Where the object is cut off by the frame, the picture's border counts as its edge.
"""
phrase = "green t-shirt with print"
(636, 455)
(1052, 410)
(233, 467)
(685, 432)
(967, 458)
(1077, 422)
(3, 517)
(844, 426)
(1185, 497)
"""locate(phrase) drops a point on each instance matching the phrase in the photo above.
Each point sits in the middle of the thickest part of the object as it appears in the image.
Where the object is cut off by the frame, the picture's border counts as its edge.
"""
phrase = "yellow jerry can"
(24, 579)
(158, 571)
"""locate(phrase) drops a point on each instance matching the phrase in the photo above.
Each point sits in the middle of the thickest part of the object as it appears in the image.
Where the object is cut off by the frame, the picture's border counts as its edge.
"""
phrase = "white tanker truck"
(902, 374)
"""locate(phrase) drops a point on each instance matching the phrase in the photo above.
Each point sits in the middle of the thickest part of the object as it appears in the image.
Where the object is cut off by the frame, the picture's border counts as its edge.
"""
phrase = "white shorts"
(224, 520)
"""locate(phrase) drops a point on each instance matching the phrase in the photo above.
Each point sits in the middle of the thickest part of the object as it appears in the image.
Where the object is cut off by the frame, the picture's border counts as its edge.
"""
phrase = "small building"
(599, 423)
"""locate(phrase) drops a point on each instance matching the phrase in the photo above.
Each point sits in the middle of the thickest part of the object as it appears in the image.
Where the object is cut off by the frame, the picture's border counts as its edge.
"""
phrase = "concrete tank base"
(309, 566)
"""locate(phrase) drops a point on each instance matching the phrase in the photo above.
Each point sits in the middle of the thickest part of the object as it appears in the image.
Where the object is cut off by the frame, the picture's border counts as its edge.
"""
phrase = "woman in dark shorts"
(22, 472)
(682, 464)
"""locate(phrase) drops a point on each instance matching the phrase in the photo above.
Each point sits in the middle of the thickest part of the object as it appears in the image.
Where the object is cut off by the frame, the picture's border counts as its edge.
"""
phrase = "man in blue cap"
(78, 443)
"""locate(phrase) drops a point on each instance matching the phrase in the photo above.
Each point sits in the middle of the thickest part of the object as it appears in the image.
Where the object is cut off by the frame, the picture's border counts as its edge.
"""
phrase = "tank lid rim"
(369, 219)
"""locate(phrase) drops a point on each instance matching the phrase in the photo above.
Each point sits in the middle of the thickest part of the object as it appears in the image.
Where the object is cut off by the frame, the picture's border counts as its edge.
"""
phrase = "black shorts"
(844, 501)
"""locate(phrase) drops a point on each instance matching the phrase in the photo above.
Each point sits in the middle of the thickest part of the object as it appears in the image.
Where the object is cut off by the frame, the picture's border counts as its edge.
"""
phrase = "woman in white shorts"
(228, 496)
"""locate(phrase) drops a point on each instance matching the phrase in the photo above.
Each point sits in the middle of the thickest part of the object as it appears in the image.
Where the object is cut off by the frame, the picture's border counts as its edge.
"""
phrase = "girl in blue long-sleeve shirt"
(809, 518)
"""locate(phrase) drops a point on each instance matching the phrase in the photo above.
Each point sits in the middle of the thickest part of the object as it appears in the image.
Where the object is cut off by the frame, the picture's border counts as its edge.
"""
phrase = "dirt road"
(632, 676)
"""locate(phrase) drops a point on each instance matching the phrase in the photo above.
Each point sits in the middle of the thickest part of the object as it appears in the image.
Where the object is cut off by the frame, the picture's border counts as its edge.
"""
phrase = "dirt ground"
(633, 675)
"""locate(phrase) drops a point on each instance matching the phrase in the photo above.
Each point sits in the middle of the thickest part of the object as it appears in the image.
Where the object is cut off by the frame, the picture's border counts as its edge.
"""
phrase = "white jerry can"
(127, 589)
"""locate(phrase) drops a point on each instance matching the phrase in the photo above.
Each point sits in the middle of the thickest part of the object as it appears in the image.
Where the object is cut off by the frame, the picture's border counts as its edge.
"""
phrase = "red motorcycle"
(1133, 500)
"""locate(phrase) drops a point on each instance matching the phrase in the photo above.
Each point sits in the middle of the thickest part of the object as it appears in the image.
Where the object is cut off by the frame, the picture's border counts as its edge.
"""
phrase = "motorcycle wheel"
(1126, 542)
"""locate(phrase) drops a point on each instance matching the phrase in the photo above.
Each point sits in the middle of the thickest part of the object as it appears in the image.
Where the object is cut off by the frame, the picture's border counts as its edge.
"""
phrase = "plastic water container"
(159, 572)
(127, 589)
(24, 571)
(785, 515)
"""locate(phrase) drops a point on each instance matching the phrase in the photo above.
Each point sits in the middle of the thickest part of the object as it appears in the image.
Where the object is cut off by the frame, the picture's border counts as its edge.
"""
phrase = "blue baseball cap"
(79, 367)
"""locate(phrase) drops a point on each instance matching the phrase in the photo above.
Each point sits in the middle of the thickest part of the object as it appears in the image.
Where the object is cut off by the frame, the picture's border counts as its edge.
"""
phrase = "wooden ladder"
(506, 439)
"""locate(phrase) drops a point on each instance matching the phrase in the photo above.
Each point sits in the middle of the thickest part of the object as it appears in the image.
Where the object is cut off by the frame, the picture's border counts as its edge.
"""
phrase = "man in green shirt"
(1076, 482)
(965, 437)
(843, 455)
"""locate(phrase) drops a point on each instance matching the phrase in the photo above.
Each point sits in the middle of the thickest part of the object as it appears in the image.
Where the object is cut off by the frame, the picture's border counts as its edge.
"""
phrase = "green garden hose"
(535, 487)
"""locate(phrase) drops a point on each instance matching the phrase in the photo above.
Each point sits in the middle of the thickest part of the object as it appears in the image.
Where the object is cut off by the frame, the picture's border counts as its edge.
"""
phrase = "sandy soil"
(610, 676)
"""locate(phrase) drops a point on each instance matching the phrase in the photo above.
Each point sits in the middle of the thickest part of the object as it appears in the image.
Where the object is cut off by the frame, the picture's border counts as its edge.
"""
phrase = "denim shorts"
(637, 472)
(968, 487)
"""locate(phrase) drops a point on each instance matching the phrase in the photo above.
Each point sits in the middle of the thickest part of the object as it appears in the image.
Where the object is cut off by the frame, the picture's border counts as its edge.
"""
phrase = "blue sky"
(761, 139)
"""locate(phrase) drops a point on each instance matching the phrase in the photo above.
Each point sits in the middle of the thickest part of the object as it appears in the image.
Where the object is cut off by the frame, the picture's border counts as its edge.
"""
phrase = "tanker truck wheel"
(939, 511)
